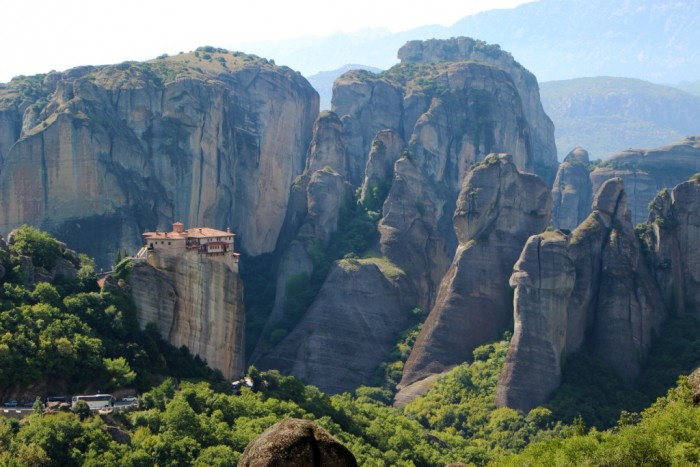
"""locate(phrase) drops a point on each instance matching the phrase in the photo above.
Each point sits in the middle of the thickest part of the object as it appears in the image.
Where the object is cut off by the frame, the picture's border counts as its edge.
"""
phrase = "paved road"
(21, 412)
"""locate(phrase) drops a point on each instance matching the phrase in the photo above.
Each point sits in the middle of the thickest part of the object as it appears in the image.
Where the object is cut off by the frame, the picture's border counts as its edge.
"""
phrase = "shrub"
(38, 245)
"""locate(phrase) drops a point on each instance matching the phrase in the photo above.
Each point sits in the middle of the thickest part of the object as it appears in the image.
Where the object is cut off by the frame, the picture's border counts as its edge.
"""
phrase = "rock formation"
(66, 265)
(466, 49)
(349, 329)
(498, 209)
(646, 171)
(593, 287)
(295, 442)
(195, 301)
(405, 138)
(104, 153)
(410, 233)
(673, 241)
(572, 192)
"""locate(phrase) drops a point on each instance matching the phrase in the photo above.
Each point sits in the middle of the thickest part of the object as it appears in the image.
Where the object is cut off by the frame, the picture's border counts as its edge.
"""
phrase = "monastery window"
(168, 243)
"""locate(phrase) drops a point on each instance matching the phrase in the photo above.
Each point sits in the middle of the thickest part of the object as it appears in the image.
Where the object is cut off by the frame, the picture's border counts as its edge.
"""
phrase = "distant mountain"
(606, 115)
(323, 81)
(693, 87)
(554, 39)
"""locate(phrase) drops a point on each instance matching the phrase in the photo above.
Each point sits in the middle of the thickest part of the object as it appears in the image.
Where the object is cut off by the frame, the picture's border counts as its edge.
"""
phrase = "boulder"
(295, 442)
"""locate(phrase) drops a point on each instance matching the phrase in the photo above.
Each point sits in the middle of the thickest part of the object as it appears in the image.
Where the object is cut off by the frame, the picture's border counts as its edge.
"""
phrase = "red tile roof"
(202, 232)
(195, 232)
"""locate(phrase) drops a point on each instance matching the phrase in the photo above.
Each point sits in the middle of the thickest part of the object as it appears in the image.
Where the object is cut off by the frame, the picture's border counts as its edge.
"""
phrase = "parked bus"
(95, 401)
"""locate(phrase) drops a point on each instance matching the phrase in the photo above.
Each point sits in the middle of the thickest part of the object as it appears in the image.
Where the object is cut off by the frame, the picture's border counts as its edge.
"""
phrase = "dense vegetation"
(68, 335)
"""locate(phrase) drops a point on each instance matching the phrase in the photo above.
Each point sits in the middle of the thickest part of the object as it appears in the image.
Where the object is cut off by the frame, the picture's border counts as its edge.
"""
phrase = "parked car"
(10, 403)
(130, 399)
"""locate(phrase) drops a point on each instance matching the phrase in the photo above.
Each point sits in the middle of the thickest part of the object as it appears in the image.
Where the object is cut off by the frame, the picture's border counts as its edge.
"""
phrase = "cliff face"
(466, 49)
(571, 192)
(646, 171)
(673, 240)
(194, 301)
(106, 153)
(404, 139)
(593, 286)
(497, 210)
(349, 329)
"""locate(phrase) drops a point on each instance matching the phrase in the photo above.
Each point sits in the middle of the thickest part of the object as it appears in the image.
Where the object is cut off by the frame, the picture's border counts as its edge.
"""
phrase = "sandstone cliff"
(498, 209)
(349, 329)
(195, 301)
(105, 153)
(646, 171)
(593, 287)
(572, 192)
(405, 138)
(466, 49)
(673, 240)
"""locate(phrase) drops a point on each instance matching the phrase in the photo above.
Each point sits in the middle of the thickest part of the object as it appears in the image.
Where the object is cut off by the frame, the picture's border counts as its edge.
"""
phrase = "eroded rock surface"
(194, 301)
(498, 209)
(594, 287)
(673, 240)
(105, 153)
(572, 192)
(349, 329)
(295, 442)
(646, 171)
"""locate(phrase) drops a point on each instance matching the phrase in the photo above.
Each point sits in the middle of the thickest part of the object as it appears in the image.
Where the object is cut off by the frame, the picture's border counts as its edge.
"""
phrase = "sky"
(42, 35)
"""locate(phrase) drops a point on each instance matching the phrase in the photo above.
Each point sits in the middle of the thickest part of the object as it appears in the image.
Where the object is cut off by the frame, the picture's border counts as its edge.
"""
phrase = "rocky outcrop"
(195, 301)
(673, 241)
(387, 148)
(366, 104)
(592, 287)
(106, 153)
(572, 192)
(410, 235)
(498, 209)
(646, 171)
(451, 114)
(349, 329)
(466, 49)
(33, 272)
(295, 442)
(327, 148)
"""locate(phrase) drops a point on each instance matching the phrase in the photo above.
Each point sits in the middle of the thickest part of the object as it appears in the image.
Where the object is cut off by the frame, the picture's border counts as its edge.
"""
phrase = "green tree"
(44, 250)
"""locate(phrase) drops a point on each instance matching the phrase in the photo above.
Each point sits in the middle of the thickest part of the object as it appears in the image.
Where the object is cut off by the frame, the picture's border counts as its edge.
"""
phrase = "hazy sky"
(42, 35)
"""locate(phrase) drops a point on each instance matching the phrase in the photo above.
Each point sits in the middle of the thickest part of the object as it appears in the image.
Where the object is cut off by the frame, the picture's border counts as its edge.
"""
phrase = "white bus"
(95, 401)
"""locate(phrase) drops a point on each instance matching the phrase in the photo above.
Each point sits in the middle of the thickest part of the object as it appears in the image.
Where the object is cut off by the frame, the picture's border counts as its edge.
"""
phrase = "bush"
(44, 250)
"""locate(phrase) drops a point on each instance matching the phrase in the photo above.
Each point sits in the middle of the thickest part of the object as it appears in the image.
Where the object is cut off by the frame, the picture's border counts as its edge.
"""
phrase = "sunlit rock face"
(195, 301)
(105, 153)
(593, 286)
(497, 210)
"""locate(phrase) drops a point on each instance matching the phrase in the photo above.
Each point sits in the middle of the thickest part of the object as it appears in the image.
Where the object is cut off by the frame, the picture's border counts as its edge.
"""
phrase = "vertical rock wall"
(498, 209)
(591, 286)
(195, 301)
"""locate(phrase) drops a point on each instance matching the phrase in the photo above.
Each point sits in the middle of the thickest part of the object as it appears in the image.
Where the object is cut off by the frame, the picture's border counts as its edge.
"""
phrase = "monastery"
(206, 241)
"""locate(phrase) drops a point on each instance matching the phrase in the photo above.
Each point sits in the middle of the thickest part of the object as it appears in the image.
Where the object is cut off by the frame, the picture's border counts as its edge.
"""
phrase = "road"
(21, 412)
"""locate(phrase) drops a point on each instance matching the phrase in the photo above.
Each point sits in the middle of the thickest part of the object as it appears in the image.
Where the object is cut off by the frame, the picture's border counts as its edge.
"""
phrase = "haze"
(45, 35)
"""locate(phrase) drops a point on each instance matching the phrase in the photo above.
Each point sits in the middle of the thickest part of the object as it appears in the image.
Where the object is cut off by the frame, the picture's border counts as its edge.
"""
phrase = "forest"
(72, 336)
